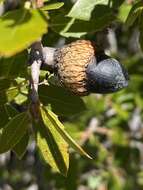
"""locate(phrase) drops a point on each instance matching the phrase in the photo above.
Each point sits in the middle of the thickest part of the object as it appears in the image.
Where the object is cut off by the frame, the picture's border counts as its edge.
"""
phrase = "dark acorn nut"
(106, 76)
(82, 69)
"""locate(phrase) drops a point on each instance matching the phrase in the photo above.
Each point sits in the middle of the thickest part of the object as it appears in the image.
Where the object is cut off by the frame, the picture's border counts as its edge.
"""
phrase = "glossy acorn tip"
(106, 76)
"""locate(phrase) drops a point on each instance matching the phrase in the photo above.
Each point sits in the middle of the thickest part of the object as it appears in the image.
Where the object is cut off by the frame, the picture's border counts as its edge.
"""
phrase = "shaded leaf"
(7, 112)
(141, 39)
(60, 128)
(14, 66)
(20, 147)
(67, 33)
(70, 27)
(141, 29)
(82, 9)
(14, 131)
(60, 100)
(19, 29)
(52, 146)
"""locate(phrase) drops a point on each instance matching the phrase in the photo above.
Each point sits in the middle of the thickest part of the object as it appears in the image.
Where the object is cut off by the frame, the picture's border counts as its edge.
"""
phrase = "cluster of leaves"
(19, 29)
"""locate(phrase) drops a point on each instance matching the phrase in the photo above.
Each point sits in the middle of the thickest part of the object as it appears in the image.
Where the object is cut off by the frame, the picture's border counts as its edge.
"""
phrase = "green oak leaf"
(60, 129)
(19, 29)
(14, 131)
(52, 146)
(20, 148)
(82, 9)
(60, 100)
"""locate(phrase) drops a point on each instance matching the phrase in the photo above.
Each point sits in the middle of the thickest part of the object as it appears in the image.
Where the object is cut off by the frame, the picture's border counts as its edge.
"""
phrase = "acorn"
(82, 69)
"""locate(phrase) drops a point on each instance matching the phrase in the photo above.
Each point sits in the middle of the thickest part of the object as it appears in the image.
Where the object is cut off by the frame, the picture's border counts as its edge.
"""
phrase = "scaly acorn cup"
(82, 69)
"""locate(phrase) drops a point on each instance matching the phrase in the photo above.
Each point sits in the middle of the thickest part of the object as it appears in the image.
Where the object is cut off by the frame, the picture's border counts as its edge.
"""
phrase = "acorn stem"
(49, 57)
(36, 50)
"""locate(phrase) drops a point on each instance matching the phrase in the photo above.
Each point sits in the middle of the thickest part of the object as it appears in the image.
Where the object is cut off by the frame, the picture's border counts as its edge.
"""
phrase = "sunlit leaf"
(52, 6)
(60, 128)
(124, 12)
(8, 90)
(116, 4)
(19, 29)
(52, 146)
(82, 9)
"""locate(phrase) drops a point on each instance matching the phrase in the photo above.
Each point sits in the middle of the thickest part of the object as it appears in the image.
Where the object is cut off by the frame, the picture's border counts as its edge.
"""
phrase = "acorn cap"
(71, 63)
(82, 69)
